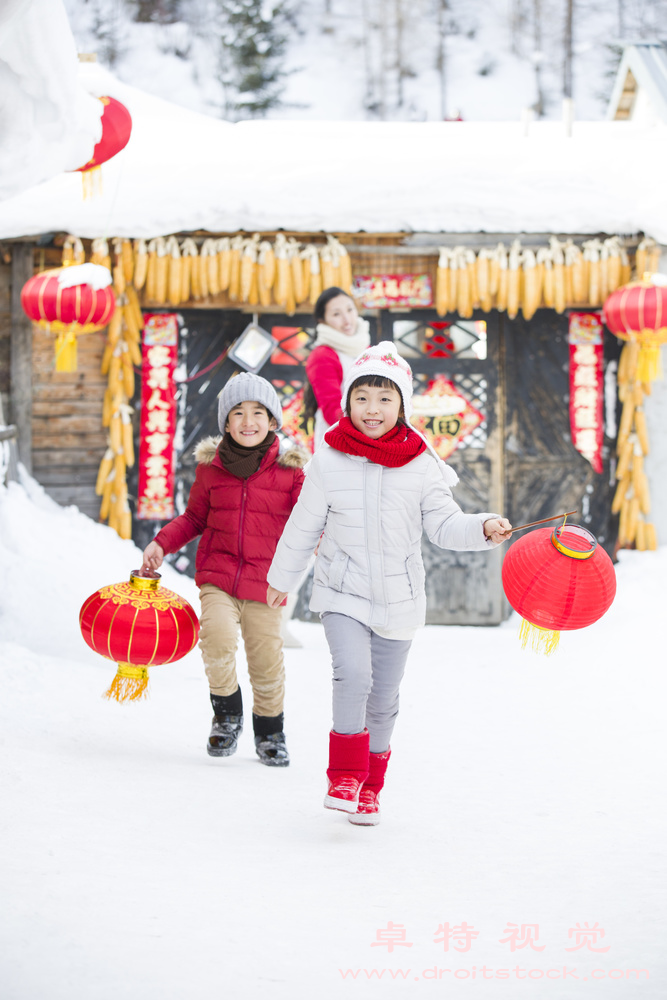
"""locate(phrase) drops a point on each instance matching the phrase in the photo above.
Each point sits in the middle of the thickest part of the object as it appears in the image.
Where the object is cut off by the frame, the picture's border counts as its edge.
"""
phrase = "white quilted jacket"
(369, 564)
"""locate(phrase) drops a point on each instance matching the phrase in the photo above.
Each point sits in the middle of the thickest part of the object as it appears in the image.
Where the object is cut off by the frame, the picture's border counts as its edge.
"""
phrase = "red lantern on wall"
(139, 625)
(557, 580)
(69, 301)
(116, 131)
(638, 311)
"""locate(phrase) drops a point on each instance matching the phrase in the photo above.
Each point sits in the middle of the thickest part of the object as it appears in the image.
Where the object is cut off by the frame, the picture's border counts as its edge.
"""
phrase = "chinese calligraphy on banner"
(379, 291)
(158, 418)
(587, 386)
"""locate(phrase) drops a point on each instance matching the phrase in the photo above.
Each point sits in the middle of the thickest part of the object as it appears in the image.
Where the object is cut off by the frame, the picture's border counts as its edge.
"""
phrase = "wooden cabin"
(518, 457)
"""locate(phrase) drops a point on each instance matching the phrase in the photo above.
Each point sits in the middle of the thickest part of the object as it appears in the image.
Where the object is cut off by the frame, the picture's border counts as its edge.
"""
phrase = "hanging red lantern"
(139, 625)
(557, 580)
(638, 311)
(116, 131)
(69, 301)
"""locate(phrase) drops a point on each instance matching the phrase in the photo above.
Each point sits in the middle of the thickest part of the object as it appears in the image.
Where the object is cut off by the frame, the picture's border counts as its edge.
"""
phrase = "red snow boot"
(368, 810)
(347, 771)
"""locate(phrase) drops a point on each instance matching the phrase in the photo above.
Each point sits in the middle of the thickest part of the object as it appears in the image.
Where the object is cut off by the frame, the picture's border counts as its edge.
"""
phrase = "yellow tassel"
(129, 684)
(540, 640)
(649, 366)
(66, 352)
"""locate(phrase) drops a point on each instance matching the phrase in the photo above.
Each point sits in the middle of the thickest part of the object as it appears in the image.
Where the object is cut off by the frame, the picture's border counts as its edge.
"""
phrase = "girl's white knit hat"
(383, 360)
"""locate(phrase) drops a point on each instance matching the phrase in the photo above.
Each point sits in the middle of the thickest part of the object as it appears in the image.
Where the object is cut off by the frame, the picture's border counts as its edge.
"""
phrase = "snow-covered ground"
(522, 790)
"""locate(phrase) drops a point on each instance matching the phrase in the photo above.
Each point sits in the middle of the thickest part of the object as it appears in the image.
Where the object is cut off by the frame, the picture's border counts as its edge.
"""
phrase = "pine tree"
(157, 11)
(253, 42)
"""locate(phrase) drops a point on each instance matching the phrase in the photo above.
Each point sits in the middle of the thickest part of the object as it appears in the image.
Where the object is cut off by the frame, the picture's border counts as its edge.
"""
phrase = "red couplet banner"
(158, 417)
(587, 386)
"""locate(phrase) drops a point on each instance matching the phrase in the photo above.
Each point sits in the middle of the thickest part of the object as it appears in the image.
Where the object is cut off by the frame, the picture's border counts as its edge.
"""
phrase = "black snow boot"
(270, 740)
(227, 724)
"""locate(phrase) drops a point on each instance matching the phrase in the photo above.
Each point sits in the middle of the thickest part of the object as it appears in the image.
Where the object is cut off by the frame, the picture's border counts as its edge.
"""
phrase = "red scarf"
(395, 448)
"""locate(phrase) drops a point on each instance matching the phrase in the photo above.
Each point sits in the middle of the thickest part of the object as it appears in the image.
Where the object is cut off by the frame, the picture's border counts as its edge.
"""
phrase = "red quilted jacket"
(239, 520)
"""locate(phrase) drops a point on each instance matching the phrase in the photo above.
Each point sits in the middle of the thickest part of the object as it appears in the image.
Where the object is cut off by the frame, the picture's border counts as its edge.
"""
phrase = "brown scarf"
(240, 461)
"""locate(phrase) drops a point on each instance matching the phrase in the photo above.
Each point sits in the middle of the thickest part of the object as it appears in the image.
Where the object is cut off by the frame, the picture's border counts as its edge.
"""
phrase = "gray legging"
(367, 672)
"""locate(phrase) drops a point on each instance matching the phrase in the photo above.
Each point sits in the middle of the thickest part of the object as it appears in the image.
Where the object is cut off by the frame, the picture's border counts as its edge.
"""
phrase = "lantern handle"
(544, 520)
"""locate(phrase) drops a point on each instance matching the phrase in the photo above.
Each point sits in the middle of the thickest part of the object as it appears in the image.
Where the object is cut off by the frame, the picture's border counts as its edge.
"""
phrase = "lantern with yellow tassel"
(638, 312)
(557, 580)
(69, 301)
(139, 625)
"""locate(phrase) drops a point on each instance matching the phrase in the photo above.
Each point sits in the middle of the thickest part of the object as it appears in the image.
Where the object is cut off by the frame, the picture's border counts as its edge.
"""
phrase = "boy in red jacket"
(239, 503)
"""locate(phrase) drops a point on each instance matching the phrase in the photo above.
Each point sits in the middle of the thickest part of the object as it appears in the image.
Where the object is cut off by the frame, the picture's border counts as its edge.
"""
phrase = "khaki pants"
(221, 617)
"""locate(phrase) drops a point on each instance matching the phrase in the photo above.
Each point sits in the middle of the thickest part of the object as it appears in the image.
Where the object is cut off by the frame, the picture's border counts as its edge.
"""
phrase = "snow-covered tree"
(253, 39)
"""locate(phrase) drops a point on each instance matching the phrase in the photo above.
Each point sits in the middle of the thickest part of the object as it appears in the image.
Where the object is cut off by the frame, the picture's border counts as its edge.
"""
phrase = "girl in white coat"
(369, 492)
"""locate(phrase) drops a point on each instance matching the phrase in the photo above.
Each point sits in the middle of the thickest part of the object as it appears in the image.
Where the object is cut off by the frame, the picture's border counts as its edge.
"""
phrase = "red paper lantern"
(638, 311)
(139, 625)
(557, 580)
(116, 131)
(68, 311)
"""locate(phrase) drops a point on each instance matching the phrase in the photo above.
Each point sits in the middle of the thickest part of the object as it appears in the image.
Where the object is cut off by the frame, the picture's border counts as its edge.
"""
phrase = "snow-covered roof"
(184, 171)
(643, 93)
(48, 121)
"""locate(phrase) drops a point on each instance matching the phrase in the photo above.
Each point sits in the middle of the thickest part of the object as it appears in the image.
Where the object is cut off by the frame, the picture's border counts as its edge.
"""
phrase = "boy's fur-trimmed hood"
(206, 450)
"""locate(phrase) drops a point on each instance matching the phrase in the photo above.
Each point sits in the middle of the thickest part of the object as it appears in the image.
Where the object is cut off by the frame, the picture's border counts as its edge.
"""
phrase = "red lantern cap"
(559, 579)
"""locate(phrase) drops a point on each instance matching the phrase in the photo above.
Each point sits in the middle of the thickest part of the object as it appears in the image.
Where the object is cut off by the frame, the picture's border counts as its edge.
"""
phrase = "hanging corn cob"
(313, 259)
(532, 287)
(463, 289)
(201, 265)
(501, 258)
(483, 278)
(248, 279)
(100, 253)
(567, 273)
(442, 283)
(140, 264)
(613, 263)
(175, 277)
(632, 500)
(209, 254)
(151, 270)
(296, 266)
(326, 263)
(558, 259)
(224, 256)
(578, 266)
(73, 252)
(235, 268)
(283, 276)
(263, 287)
(514, 279)
(189, 254)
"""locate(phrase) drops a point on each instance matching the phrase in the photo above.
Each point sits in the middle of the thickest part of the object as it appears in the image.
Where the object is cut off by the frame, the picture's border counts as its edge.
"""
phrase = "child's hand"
(153, 556)
(274, 598)
(497, 529)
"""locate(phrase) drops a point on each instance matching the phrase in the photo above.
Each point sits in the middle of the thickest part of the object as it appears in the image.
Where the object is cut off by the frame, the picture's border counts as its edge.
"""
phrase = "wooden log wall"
(68, 439)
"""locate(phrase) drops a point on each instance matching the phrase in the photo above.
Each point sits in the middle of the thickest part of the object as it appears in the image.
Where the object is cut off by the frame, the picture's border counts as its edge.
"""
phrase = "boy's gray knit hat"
(246, 387)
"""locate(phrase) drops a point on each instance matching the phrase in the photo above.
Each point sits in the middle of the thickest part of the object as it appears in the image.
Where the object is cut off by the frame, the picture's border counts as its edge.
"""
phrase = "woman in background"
(341, 335)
